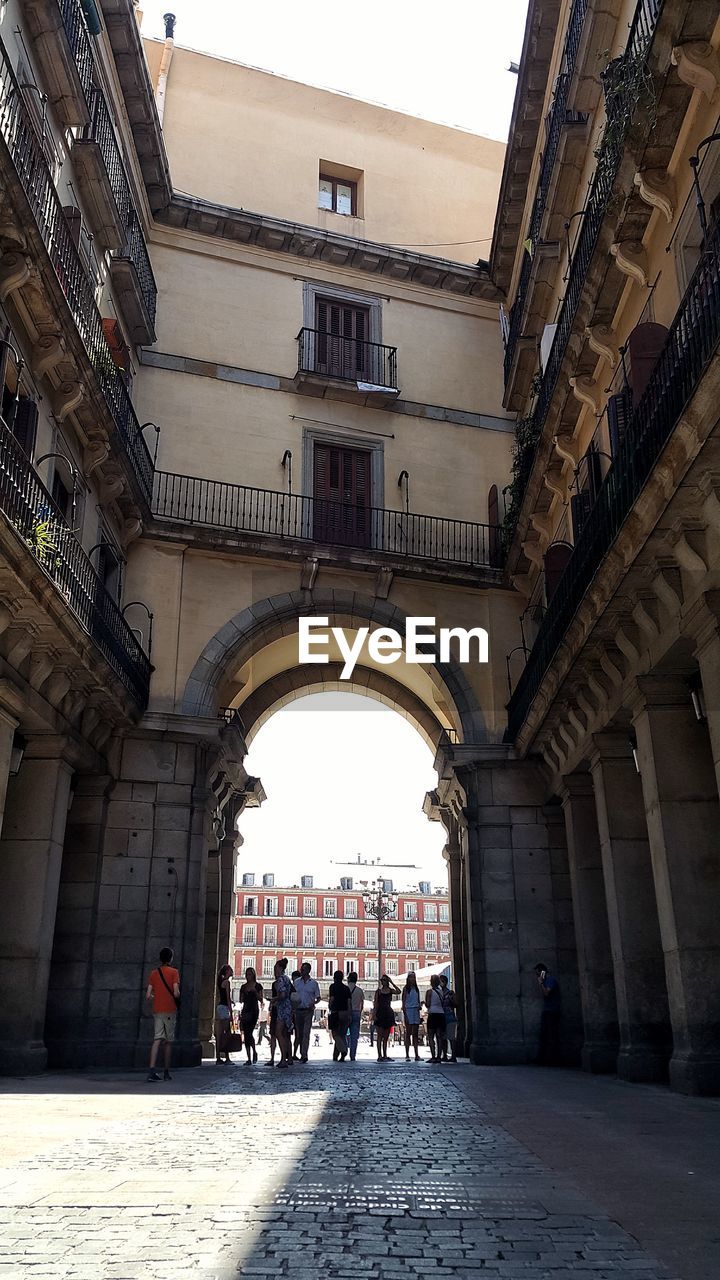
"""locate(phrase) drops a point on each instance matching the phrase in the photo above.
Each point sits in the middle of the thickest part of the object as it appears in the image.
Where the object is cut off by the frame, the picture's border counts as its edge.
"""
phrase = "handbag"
(169, 990)
(231, 1041)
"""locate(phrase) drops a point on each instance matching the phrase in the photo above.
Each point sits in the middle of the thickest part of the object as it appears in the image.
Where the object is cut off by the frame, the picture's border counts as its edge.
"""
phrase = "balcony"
(691, 343)
(26, 158)
(101, 177)
(134, 284)
(346, 368)
(30, 511)
(382, 536)
(61, 45)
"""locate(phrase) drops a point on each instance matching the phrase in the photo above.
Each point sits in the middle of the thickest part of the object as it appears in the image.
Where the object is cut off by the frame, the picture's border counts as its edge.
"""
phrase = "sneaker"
(166, 1075)
(153, 1077)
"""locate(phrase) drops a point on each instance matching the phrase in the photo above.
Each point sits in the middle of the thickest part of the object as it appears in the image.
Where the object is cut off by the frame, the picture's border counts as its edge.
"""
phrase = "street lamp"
(380, 904)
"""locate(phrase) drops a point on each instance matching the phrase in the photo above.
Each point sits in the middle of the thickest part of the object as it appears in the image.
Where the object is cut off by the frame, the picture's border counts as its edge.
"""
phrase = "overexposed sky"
(445, 62)
(344, 775)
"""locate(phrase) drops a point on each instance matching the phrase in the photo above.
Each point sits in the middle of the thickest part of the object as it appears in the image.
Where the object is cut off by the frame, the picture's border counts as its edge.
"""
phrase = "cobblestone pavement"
(336, 1171)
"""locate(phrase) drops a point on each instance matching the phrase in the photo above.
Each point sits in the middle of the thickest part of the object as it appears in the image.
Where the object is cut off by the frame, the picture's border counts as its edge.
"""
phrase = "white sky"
(446, 62)
(352, 780)
(343, 775)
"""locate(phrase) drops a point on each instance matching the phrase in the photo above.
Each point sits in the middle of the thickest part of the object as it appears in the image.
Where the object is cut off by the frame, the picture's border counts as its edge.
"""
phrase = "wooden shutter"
(619, 411)
(342, 339)
(73, 217)
(341, 491)
(25, 424)
(644, 346)
(556, 559)
(494, 523)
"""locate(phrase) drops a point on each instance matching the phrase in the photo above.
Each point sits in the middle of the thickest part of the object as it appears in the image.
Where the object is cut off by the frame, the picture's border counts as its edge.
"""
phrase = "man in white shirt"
(309, 993)
(357, 1004)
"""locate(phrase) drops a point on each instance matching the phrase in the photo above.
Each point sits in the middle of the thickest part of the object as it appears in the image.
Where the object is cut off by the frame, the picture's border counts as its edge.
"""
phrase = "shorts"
(436, 1023)
(164, 1026)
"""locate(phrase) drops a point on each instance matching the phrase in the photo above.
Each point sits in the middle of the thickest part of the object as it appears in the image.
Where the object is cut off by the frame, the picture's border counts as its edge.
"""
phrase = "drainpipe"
(169, 19)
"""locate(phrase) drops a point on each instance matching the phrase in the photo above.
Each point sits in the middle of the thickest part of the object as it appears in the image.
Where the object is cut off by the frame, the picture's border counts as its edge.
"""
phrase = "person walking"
(383, 1014)
(549, 1047)
(223, 1014)
(340, 1014)
(284, 1013)
(435, 1019)
(251, 995)
(308, 993)
(262, 1021)
(357, 1004)
(450, 1007)
(295, 1000)
(163, 992)
(411, 1015)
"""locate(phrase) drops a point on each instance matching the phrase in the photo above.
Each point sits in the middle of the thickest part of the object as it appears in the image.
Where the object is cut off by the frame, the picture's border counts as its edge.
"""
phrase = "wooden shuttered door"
(342, 340)
(495, 544)
(341, 491)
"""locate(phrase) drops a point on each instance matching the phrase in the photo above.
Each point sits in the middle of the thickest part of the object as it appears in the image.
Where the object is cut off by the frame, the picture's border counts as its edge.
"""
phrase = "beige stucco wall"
(254, 140)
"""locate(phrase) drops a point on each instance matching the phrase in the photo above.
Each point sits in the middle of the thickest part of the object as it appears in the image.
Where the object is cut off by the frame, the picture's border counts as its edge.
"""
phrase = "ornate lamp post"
(380, 904)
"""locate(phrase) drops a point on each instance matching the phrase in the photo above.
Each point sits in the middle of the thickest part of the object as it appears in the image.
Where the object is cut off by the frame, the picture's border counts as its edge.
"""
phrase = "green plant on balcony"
(627, 84)
(526, 438)
(39, 538)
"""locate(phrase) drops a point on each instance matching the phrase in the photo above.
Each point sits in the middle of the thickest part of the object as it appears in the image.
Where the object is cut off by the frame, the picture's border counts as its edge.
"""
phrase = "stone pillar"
(453, 859)
(640, 986)
(8, 725)
(594, 957)
(219, 917)
(30, 857)
(683, 820)
(708, 657)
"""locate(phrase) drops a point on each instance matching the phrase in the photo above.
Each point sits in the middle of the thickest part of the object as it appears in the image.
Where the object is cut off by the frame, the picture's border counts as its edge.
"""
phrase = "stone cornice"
(316, 244)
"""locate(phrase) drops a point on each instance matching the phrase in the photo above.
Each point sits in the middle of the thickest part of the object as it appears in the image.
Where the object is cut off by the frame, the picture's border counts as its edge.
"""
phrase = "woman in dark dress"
(251, 997)
(383, 1014)
(339, 1004)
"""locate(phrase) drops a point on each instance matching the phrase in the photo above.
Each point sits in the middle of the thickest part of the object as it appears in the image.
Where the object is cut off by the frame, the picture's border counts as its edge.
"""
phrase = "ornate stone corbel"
(523, 582)
(47, 352)
(656, 189)
(14, 273)
(41, 664)
(612, 669)
(667, 585)
(645, 611)
(697, 65)
(602, 339)
(542, 522)
(628, 642)
(308, 573)
(383, 583)
(690, 551)
(58, 686)
(585, 389)
(555, 482)
(533, 552)
(66, 398)
(97, 451)
(131, 529)
(567, 448)
(111, 487)
(631, 259)
(588, 710)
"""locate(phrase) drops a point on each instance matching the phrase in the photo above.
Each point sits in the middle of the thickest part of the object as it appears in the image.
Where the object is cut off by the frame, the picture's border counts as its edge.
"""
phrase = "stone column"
(640, 986)
(8, 725)
(219, 917)
(707, 653)
(451, 853)
(595, 965)
(683, 820)
(30, 857)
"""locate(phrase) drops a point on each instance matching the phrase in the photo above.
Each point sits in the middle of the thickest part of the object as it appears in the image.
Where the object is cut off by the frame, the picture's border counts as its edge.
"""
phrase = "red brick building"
(328, 928)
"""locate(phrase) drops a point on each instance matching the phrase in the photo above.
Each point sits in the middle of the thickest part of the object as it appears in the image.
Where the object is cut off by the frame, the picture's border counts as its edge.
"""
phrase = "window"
(309, 935)
(329, 936)
(289, 935)
(268, 965)
(309, 906)
(248, 935)
(306, 882)
(370, 937)
(371, 969)
(248, 878)
(411, 965)
(391, 938)
(444, 912)
(291, 906)
(330, 907)
(411, 939)
(248, 962)
(431, 939)
(62, 493)
(269, 935)
(341, 489)
(430, 911)
(351, 937)
(444, 941)
(350, 967)
(337, 195)
(410, 910)
(392, 966)
(271, 906)
(311, 961)
(108, 567)
(251, 906)
(351, 909)
(26, 419)
(329, 967)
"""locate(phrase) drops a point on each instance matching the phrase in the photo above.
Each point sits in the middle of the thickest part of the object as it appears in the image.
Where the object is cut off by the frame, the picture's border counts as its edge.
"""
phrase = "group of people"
(292, 1001)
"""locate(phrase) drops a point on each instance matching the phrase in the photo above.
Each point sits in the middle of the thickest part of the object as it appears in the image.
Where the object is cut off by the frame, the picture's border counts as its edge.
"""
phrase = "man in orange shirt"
(163, 992)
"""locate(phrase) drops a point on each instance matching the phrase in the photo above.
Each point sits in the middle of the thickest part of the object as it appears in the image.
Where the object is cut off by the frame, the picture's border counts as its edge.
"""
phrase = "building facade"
(328, 928)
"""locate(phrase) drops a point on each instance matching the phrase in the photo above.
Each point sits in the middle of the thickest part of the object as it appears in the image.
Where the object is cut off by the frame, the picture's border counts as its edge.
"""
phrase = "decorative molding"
(15, 270)
(697, 65)
(567, 448)
(585, 389)
(602, 339)
(657, 189)
(555, 482)
(66, 398)
(47, 352)
(533, 552)
(542, 522)
(631, 259)
(96, 452)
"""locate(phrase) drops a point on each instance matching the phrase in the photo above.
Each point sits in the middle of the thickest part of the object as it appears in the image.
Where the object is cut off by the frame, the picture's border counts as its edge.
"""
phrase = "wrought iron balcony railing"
(30, 510)
(692, 341)
(610, 153)
(135, 249)
(558, 121)
(25, 151)
(350, 359)
(79, 42)
(268, 512)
